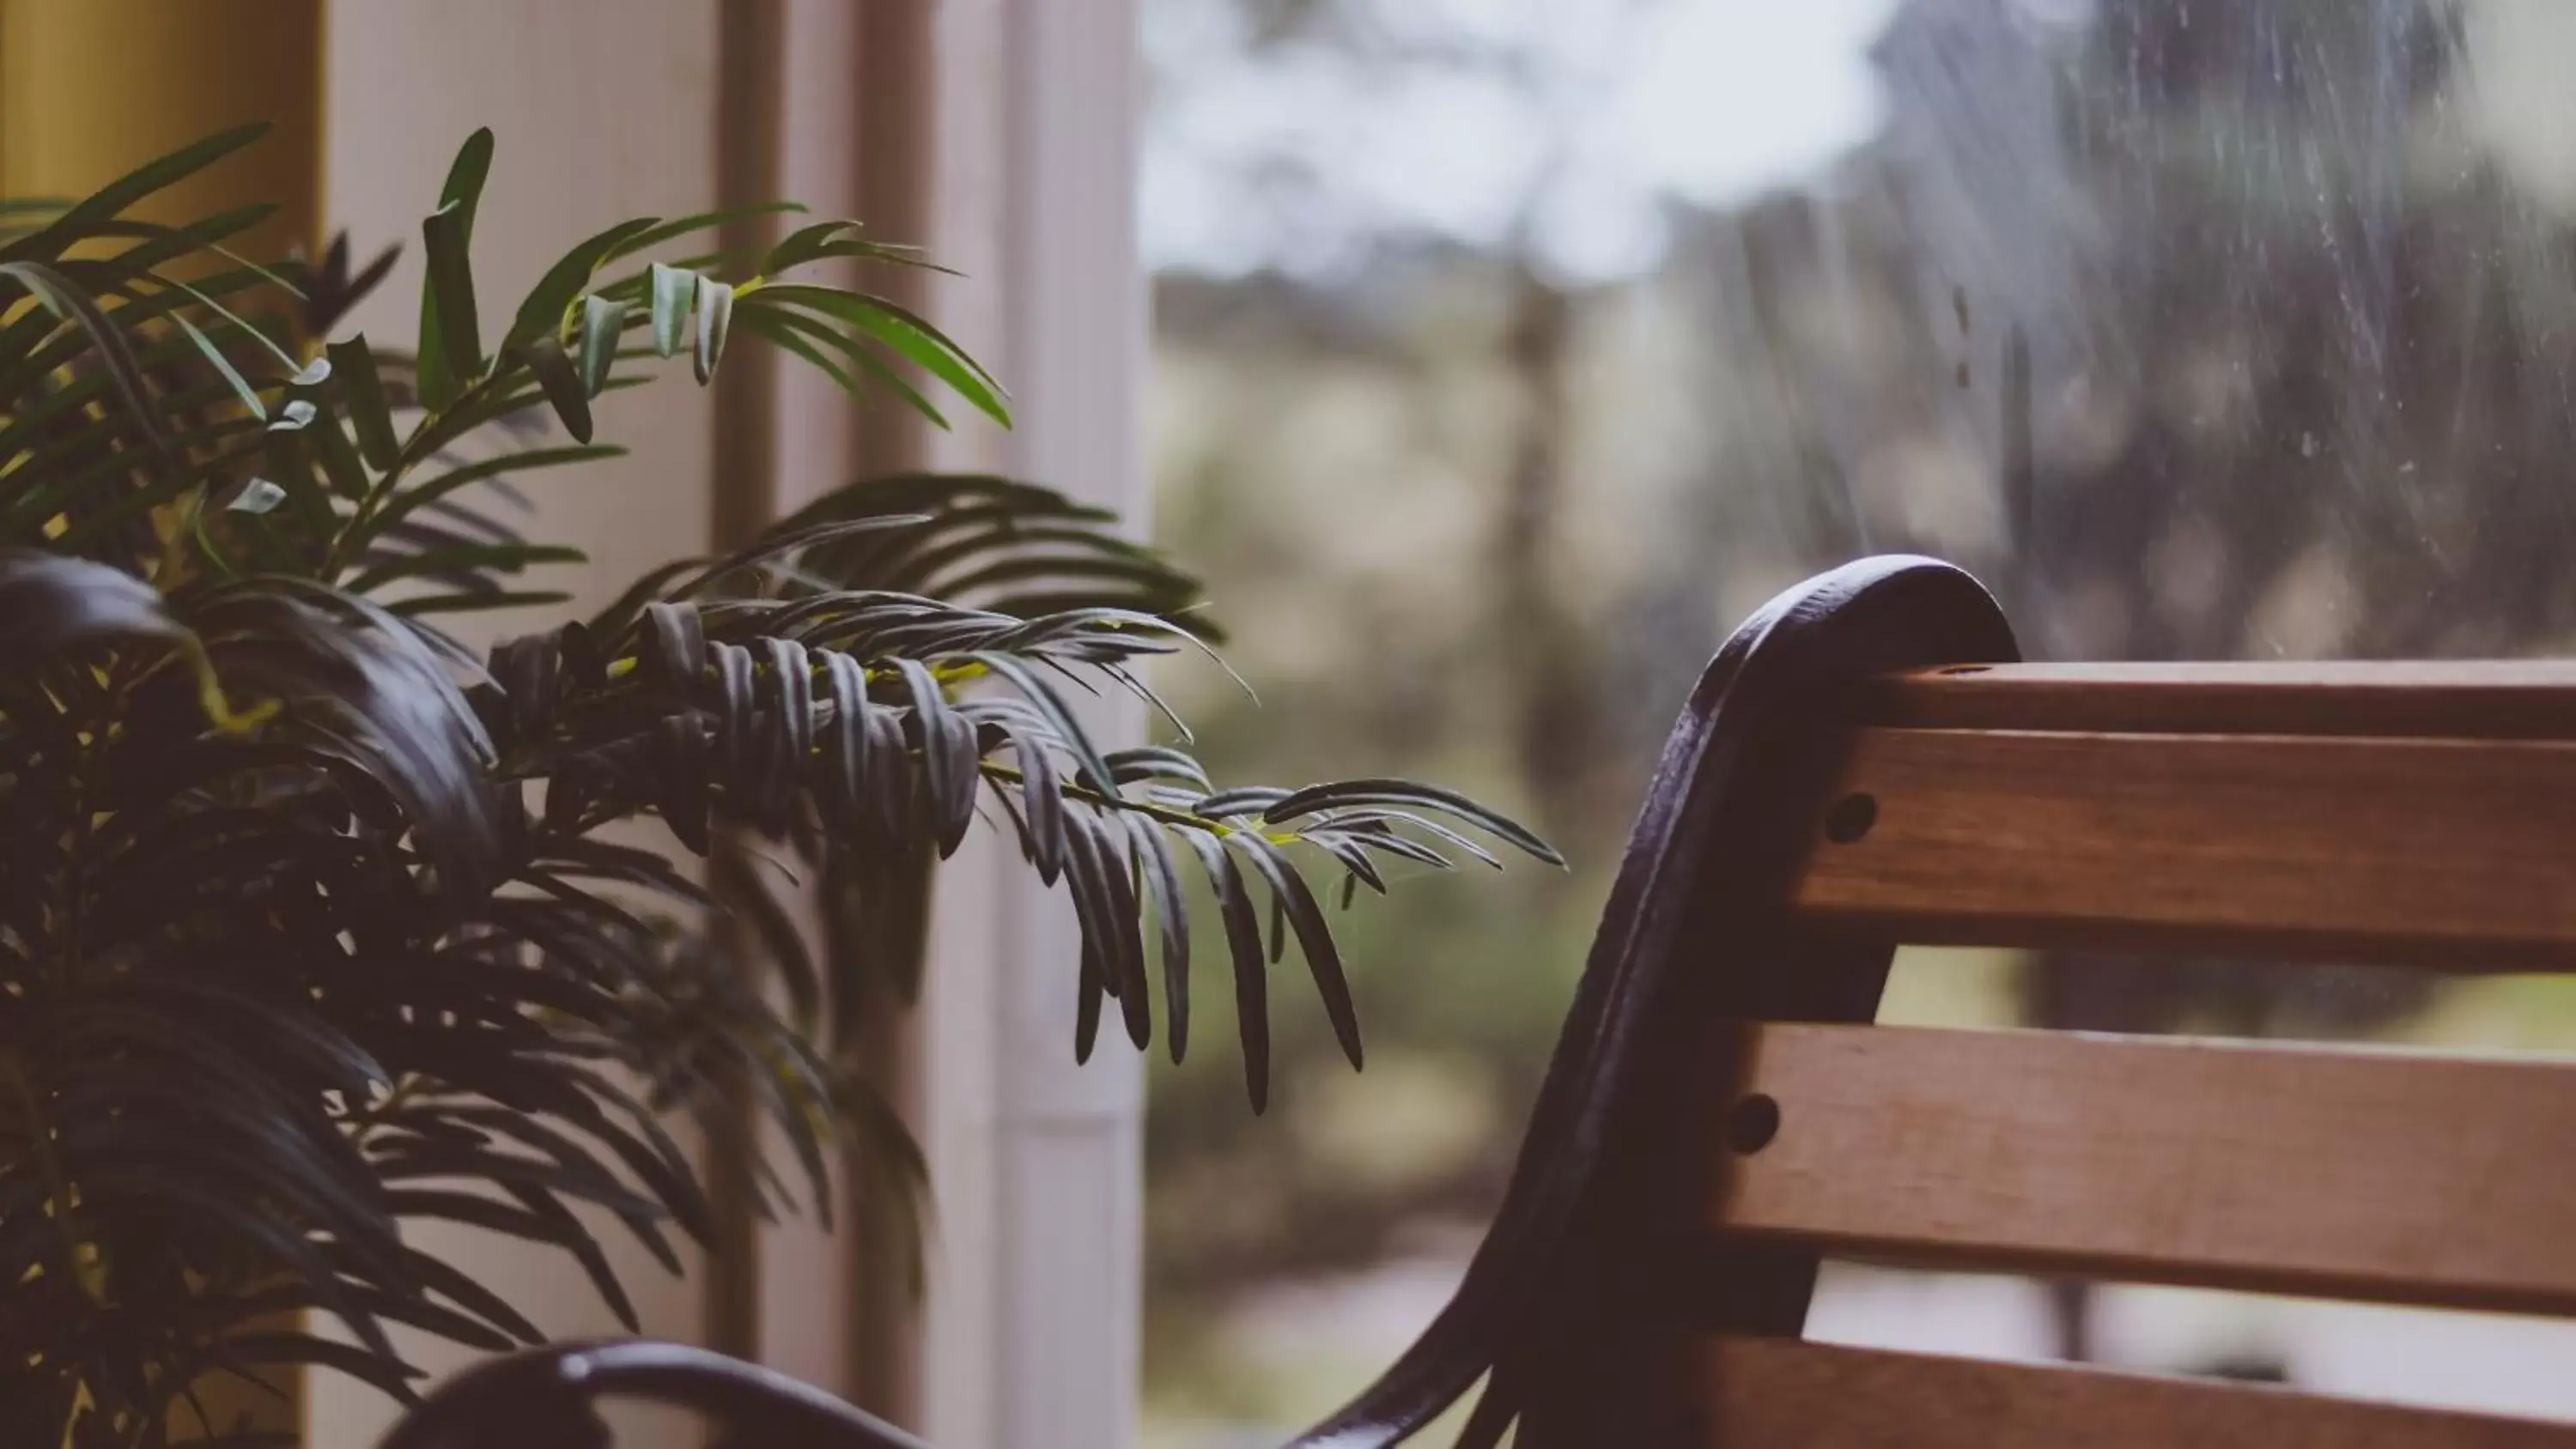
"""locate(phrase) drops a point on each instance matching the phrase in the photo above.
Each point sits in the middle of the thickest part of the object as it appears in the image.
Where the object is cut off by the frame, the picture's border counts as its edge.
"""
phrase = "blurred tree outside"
(1505, 357)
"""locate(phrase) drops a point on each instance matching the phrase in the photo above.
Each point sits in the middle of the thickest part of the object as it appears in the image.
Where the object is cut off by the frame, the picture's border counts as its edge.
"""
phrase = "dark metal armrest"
(542, 1398)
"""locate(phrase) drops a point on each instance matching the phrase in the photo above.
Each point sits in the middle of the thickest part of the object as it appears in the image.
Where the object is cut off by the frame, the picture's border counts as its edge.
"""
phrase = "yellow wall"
(89, 89)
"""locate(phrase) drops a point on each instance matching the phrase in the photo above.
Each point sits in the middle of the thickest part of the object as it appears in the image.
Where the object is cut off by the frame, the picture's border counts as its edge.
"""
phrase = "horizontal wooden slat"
(2480, 698)
(2397, 1177)
(2457, 852)
(1781, 1394)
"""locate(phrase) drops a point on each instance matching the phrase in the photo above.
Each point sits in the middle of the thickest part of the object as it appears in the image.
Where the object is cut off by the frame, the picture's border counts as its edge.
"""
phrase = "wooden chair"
(1863, 766)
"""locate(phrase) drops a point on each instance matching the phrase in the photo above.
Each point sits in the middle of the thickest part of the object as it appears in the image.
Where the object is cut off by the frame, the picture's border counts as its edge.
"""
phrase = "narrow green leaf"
(293, 470)
(1251, 971)
(748, 899)
(673, 290)
(413, 497)
(465, 175)
(734, 676)
(1135, 995)
(602, 322)
(1153, 850)
(140, 182)
(438, 358)
(387, 1375)
(715, 316)
(1095, 772)
(790, 700)
(1410, 793)
(1158, 762)
(470, 602)
(355, 366)
(921, 326)
(285, 360)
(1042, 798)
(672, 654)
(683, 225)
(901, 256)
(1314, 937)
(765, 324)
(562, 384)
(802, 245)
(158, 244)
(467, 1293)
(542, 313)
(844, 740)
(585, 1250)
(947, 744)
(171, 484)
(64, 299)
(223, 367)
(448, 292)
(340, 465)
(781, 541)
(258, 496)
(908, 336)
(790, 329)
(1086, 877)
(1384, 818)
(1358, 869)
(1241, 800)
(405, 1308)
(1381, 838)
(680, 778)
(502, 558)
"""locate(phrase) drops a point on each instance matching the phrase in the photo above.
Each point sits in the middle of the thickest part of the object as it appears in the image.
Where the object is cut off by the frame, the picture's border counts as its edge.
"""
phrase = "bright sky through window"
(1567, 124)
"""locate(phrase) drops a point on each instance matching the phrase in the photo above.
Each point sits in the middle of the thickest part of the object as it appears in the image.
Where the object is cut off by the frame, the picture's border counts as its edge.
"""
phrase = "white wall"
(602, 109)
(1034, 1321)
(606, 108)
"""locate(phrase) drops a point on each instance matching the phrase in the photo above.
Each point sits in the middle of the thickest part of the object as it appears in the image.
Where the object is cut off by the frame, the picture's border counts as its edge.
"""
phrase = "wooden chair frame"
(1863, 764)
(1690, 935)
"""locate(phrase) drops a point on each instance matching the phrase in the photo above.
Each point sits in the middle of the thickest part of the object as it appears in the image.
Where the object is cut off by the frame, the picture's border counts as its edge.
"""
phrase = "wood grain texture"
(2443, 852)
(1780, 1394)
(2462, 699)
(2397, 1177)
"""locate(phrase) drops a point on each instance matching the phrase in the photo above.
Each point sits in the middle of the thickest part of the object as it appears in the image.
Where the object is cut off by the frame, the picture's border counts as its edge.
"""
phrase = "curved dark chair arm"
(1688, 893)
(542, 1398)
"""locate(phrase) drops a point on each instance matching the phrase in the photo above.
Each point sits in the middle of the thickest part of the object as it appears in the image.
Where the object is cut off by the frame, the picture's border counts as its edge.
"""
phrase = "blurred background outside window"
(1507, 352)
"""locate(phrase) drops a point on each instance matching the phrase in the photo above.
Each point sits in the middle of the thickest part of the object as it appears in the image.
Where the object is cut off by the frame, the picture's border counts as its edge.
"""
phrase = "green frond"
(307, 928)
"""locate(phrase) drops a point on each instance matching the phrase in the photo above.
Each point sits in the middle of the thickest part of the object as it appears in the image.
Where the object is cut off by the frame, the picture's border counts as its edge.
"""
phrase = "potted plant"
(311, 923)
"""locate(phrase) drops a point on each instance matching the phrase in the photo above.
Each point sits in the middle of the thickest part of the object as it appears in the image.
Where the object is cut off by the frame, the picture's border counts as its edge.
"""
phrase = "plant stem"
(90, 1275)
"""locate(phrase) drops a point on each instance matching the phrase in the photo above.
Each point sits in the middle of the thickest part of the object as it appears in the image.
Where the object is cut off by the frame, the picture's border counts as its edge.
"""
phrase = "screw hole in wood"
(1849, 818)
(1752, 1124)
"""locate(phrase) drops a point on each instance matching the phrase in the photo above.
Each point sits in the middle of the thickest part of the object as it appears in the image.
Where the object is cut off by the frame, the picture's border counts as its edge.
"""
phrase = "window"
(1508, 351)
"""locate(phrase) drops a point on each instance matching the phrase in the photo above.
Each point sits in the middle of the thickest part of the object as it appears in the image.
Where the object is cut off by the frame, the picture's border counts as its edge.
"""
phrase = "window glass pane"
(1508, 351)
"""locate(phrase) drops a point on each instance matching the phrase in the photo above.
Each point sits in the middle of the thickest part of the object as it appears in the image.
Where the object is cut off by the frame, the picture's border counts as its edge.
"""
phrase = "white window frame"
(1030, 1339)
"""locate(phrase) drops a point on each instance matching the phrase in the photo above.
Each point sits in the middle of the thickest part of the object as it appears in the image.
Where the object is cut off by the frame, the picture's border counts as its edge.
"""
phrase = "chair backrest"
(2385, 813)
(1886, 777)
